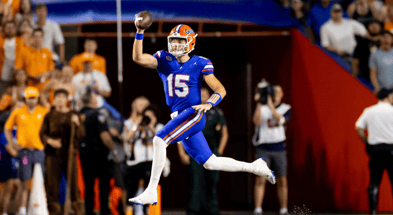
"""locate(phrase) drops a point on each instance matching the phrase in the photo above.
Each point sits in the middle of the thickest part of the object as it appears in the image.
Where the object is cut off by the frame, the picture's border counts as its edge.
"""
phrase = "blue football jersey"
(182, 81)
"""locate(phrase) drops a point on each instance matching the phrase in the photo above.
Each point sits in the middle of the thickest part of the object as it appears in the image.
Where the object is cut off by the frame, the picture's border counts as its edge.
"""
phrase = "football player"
(182, 76)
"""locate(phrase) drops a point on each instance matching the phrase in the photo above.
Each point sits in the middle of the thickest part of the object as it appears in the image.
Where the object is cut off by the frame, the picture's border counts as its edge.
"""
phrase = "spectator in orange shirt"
(25, 31)
(10, 47)
(15, 91)
(28, 121)
(98, 62)
(36, 61)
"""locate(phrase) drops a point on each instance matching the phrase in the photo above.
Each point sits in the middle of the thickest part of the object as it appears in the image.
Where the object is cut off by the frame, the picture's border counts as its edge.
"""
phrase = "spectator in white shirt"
(93, 79)
(378, 120)
(338, 34)
(53, 35)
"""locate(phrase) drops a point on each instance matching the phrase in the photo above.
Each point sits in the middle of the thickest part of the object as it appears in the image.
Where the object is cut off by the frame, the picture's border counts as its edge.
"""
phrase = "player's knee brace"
(212, 163)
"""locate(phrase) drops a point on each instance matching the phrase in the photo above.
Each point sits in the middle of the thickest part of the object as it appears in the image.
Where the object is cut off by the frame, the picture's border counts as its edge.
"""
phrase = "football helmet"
(183, 32)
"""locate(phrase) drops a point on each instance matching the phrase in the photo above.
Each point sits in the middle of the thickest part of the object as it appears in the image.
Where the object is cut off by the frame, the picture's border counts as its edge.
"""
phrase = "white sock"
(159, 158)
(5, 213)
(22, 210)
(283, 210)
(227, 164)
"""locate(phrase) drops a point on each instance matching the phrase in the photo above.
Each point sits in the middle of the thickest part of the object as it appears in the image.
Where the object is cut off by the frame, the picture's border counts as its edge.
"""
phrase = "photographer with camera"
(139, 141)
(93, 80)
(270, 118)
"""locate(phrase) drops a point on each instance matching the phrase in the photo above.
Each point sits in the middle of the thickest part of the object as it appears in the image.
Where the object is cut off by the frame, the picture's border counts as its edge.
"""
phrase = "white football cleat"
(148, 197)
(260, 168)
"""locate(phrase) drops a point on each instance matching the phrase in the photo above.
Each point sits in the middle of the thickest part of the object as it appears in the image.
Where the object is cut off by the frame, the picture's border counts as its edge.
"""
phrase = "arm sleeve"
(324, 37)
(59, 39)
(208, 68)
(372, 63)
(11, 120)
(362, 121)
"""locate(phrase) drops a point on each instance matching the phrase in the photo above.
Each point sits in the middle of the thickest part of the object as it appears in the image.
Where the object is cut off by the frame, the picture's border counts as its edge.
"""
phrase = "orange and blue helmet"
(183, 32)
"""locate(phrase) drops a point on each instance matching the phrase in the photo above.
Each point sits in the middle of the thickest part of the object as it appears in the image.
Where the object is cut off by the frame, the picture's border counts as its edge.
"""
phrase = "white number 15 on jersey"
(180, 82)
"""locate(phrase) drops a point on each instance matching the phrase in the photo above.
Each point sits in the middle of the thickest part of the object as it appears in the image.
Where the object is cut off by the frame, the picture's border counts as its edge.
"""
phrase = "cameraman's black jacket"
(95, 122)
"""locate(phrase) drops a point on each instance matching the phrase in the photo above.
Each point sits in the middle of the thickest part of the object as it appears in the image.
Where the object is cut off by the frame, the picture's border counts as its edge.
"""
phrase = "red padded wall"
(329, 163)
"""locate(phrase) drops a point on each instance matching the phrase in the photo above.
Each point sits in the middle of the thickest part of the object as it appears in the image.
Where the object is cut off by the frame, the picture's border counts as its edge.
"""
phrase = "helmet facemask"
(177, 49)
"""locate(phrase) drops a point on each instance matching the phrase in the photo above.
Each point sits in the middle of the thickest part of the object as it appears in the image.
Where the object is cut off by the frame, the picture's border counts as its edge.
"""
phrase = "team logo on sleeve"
(169, 58)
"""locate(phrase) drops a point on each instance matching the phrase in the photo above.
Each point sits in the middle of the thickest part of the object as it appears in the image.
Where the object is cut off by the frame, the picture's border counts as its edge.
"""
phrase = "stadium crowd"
(353, 30)
(37, 85)
(42, 96)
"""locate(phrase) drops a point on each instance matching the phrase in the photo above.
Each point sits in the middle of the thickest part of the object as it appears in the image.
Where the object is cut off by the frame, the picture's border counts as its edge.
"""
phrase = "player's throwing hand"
(202, 107)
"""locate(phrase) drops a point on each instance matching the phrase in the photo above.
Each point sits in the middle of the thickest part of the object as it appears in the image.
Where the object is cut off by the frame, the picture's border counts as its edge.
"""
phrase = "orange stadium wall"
(327, 162)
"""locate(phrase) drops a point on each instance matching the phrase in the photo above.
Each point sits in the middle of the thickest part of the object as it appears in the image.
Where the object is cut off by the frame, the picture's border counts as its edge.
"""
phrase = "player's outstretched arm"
(143, 59)
(219, 93)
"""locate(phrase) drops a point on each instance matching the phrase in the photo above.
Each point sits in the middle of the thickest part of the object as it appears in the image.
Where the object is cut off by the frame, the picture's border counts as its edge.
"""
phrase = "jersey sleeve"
(11, 120)
(102, 118)
(208, 68)
(103, 82)
(362, 121)
(157, 55)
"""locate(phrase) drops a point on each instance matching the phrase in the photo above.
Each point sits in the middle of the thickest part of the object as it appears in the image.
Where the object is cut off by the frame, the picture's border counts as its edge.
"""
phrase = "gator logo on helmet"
(189, 31)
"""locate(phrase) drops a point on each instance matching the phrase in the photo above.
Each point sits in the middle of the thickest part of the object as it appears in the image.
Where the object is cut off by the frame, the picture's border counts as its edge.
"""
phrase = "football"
(143, 20)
